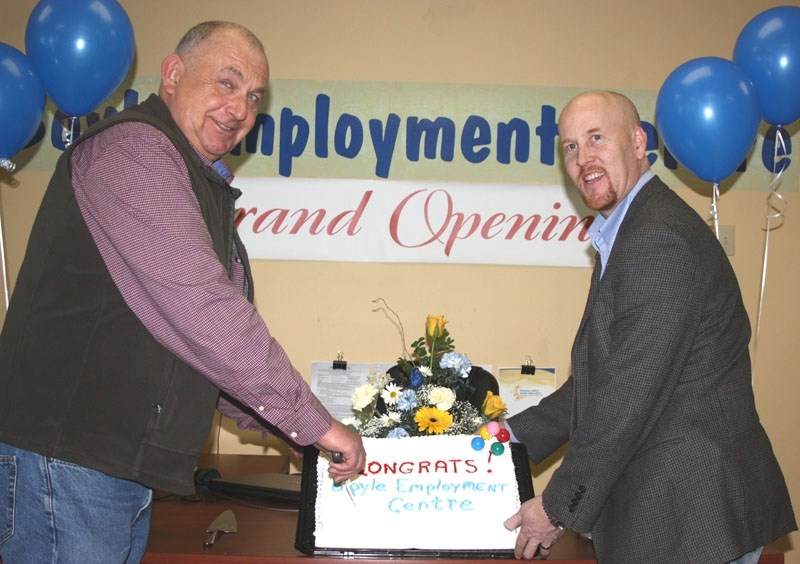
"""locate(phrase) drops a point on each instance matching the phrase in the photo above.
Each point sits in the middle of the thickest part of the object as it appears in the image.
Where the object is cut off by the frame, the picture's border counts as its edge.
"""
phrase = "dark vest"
(82, 379)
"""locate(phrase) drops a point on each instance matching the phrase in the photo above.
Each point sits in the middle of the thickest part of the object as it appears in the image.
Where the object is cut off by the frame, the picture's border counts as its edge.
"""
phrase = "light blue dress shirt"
(603, 231)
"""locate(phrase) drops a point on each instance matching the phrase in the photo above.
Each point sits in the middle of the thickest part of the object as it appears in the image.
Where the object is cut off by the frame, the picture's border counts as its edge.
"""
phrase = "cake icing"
(433, 492)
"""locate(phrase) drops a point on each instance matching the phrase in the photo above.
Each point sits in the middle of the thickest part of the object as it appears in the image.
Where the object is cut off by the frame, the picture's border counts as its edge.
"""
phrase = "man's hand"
(344, 440)
(536, 534)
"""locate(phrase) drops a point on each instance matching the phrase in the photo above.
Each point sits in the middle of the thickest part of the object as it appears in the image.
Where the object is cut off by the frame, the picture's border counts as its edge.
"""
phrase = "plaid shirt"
(134, 193)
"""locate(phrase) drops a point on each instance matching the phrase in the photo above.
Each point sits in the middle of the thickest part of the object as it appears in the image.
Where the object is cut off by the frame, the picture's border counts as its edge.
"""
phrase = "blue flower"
(416, 379)
(397, 433)
(407, 401)
(456, 361)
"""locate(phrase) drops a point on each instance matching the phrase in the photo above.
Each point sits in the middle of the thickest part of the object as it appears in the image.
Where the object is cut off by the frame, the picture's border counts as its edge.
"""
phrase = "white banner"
(409, 221)
(418, 172)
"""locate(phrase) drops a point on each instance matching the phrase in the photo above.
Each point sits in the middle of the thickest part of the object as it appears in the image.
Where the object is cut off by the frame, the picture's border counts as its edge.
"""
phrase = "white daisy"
(391, 393)
(390, 419)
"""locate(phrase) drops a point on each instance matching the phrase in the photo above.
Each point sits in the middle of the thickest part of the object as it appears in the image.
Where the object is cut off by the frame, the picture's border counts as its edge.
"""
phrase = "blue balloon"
(22, 100)
(82, 50)
(768, 50)
(707, 115)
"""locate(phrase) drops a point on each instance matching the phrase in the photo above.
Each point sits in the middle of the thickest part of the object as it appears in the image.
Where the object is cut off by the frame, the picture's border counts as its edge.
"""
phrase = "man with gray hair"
(132, 319)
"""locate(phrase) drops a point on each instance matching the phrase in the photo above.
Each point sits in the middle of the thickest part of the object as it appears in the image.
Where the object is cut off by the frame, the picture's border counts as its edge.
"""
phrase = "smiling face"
(214, 89)
(604, 148)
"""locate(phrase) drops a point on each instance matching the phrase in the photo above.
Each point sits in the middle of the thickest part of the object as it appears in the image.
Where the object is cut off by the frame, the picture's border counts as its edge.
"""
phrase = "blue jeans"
(57, 512)
(749, 558)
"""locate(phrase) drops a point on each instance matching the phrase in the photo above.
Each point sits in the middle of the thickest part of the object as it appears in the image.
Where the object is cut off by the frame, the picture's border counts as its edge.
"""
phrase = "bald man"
(666, 459)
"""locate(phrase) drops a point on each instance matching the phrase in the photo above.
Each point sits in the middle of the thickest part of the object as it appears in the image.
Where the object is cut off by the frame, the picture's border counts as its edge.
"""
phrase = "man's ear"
(640, 142)
(171, 71)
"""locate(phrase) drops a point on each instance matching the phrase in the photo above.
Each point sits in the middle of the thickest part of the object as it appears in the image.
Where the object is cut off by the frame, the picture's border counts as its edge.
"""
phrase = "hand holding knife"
(338, 458)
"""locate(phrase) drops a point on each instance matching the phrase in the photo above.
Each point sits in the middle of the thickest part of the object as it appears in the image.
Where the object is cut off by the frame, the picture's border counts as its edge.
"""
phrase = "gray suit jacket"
(667, 460)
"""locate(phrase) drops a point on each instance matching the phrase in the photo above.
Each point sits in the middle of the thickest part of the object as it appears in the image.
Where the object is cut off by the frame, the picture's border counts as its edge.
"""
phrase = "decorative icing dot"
(493, 427)
(478, 443)
(503, 435)
(484, 432)
(498, 449)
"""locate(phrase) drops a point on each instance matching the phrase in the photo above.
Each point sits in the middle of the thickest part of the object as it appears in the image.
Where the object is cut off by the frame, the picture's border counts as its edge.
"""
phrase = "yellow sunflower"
(434, 421)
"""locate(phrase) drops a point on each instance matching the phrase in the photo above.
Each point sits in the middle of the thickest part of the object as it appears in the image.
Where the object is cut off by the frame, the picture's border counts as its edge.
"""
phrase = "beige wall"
(498, 314)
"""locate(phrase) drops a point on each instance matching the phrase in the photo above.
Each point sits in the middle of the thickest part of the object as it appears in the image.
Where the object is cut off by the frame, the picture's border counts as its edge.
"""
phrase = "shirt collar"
(604, 230)
(223, 170)
(219, 166)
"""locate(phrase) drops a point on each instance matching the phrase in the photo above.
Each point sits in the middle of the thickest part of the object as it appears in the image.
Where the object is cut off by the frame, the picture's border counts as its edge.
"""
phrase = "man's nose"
(583, 156)
(238, 107)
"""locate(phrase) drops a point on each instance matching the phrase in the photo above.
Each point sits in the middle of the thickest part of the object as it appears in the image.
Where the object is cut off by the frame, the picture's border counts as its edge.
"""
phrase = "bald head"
(604, 147)
(617, 105)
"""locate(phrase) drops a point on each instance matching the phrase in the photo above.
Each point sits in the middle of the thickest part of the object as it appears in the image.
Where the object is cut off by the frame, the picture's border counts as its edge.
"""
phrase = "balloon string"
(9, 166)
(780, 149)
(776, 208)
(714, 211)
(67, 132)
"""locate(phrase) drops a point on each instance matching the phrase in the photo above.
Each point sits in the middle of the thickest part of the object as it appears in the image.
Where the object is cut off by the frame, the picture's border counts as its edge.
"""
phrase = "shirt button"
(293, 434)
(261, 408)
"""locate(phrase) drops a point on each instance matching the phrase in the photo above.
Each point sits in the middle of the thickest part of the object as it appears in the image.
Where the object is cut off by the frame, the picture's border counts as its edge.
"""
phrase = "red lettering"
(406, 467)
(263, 221)
(421, 467)
(446, 226)
(303, 217)
(280, 220)
(493, 222)
(394, 221)
(351, 223)
(373, 467)
(240, 214)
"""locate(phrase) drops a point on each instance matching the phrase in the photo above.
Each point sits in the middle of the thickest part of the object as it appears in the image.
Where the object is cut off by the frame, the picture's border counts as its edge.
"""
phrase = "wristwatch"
(553, 521)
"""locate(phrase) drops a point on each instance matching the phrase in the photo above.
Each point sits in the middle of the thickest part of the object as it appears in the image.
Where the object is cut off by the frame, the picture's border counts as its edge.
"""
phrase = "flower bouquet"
(432, 391)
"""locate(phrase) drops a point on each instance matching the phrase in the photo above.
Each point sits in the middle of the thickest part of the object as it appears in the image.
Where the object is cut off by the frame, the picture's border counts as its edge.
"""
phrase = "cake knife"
(224, 523)
(338, 458)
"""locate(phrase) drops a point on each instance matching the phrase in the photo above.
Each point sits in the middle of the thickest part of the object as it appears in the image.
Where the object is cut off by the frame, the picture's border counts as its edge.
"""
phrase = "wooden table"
(266, 535)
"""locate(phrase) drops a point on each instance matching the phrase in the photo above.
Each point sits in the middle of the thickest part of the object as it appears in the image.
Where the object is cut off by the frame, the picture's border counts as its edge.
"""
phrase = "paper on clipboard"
(521, 391)
(334, 386)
